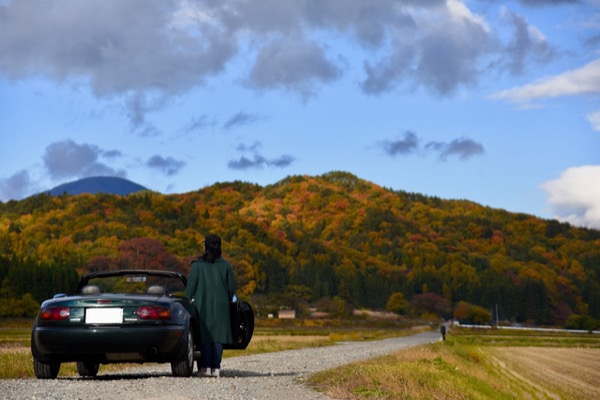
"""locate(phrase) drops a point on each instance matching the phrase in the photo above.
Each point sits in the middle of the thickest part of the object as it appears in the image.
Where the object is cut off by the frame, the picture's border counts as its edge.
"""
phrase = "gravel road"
(277, 376)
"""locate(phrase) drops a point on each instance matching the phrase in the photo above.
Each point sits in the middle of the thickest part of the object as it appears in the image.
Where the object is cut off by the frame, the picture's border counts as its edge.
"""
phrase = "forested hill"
(306, 239)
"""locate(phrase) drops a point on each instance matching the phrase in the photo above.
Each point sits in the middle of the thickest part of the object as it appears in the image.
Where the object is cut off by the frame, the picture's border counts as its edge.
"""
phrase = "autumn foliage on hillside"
(331, 239)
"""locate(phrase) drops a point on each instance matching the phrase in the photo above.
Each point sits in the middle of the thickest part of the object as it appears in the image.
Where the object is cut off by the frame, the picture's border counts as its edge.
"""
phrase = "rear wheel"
(87, 368)
(45, 370)
(185, 366)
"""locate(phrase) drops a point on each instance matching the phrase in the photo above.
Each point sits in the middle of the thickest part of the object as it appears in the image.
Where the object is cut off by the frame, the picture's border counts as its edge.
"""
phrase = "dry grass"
(17, 364)
(430, 372)
(266, 344)
(570, 373)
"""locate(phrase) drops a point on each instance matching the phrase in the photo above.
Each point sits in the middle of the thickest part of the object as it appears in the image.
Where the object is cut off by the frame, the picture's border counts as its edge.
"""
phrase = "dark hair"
(212, 248)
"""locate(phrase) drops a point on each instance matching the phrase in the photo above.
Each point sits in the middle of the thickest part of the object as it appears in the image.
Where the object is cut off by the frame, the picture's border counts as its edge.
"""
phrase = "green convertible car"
(132, 316)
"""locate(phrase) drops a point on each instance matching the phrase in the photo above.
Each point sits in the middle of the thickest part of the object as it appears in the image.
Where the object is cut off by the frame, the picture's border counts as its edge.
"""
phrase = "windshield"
(138, 284)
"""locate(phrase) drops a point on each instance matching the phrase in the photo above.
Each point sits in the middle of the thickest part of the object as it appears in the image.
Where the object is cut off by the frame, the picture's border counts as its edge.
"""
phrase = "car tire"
(86, 368)
(45, 370)
(185, 366)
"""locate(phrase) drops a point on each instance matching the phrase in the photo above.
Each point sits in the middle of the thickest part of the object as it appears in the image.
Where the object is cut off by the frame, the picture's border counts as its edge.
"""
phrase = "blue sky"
(495, 102)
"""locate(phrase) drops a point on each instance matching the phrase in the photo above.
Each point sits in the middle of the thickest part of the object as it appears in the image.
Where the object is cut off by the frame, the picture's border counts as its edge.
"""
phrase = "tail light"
(55, 313)
(154, 312)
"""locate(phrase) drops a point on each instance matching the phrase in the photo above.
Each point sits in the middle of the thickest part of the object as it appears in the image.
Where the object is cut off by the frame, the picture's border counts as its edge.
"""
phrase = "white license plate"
(103, 315)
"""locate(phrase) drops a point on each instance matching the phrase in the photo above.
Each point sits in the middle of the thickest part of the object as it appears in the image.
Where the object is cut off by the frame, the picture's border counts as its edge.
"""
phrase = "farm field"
(566, 365)
(477, 365)
(566, 373)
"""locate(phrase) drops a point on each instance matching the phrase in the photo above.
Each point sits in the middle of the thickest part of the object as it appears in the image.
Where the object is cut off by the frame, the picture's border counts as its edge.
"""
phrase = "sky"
(496, 102)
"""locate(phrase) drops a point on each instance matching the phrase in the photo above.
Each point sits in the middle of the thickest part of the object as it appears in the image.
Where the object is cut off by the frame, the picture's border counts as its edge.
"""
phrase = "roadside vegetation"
(476, 364)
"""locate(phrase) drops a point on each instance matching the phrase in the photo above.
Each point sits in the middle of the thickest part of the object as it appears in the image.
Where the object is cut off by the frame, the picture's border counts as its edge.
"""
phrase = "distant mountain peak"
(98, 184)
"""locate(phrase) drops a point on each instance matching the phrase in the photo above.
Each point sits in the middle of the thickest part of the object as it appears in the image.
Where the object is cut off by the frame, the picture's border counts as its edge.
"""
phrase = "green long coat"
(211, 288)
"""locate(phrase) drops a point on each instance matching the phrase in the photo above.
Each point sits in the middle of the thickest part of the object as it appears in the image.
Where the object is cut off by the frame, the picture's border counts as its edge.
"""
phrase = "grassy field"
(15, 355)
(479, 364)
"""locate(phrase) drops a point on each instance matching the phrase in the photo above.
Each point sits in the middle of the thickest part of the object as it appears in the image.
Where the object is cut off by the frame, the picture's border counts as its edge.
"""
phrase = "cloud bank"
(147, 51)
(575, 196)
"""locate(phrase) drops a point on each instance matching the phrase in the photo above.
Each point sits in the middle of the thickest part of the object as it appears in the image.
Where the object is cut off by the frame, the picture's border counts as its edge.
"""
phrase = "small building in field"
(287, 314)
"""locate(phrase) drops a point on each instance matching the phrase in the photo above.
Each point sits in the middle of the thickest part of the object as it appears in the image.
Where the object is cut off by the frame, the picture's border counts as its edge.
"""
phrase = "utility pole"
(496, 315)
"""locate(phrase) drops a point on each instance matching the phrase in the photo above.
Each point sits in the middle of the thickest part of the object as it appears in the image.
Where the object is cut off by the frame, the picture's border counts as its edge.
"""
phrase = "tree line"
(24, 284)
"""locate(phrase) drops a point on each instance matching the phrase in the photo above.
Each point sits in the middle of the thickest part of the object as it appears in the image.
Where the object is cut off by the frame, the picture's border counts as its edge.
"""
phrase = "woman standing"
(211, 287)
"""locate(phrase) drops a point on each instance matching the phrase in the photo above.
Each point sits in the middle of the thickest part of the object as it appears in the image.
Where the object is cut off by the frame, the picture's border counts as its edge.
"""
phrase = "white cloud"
(594, 119)
(459, 11)
(581, 81)
(575, 196)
